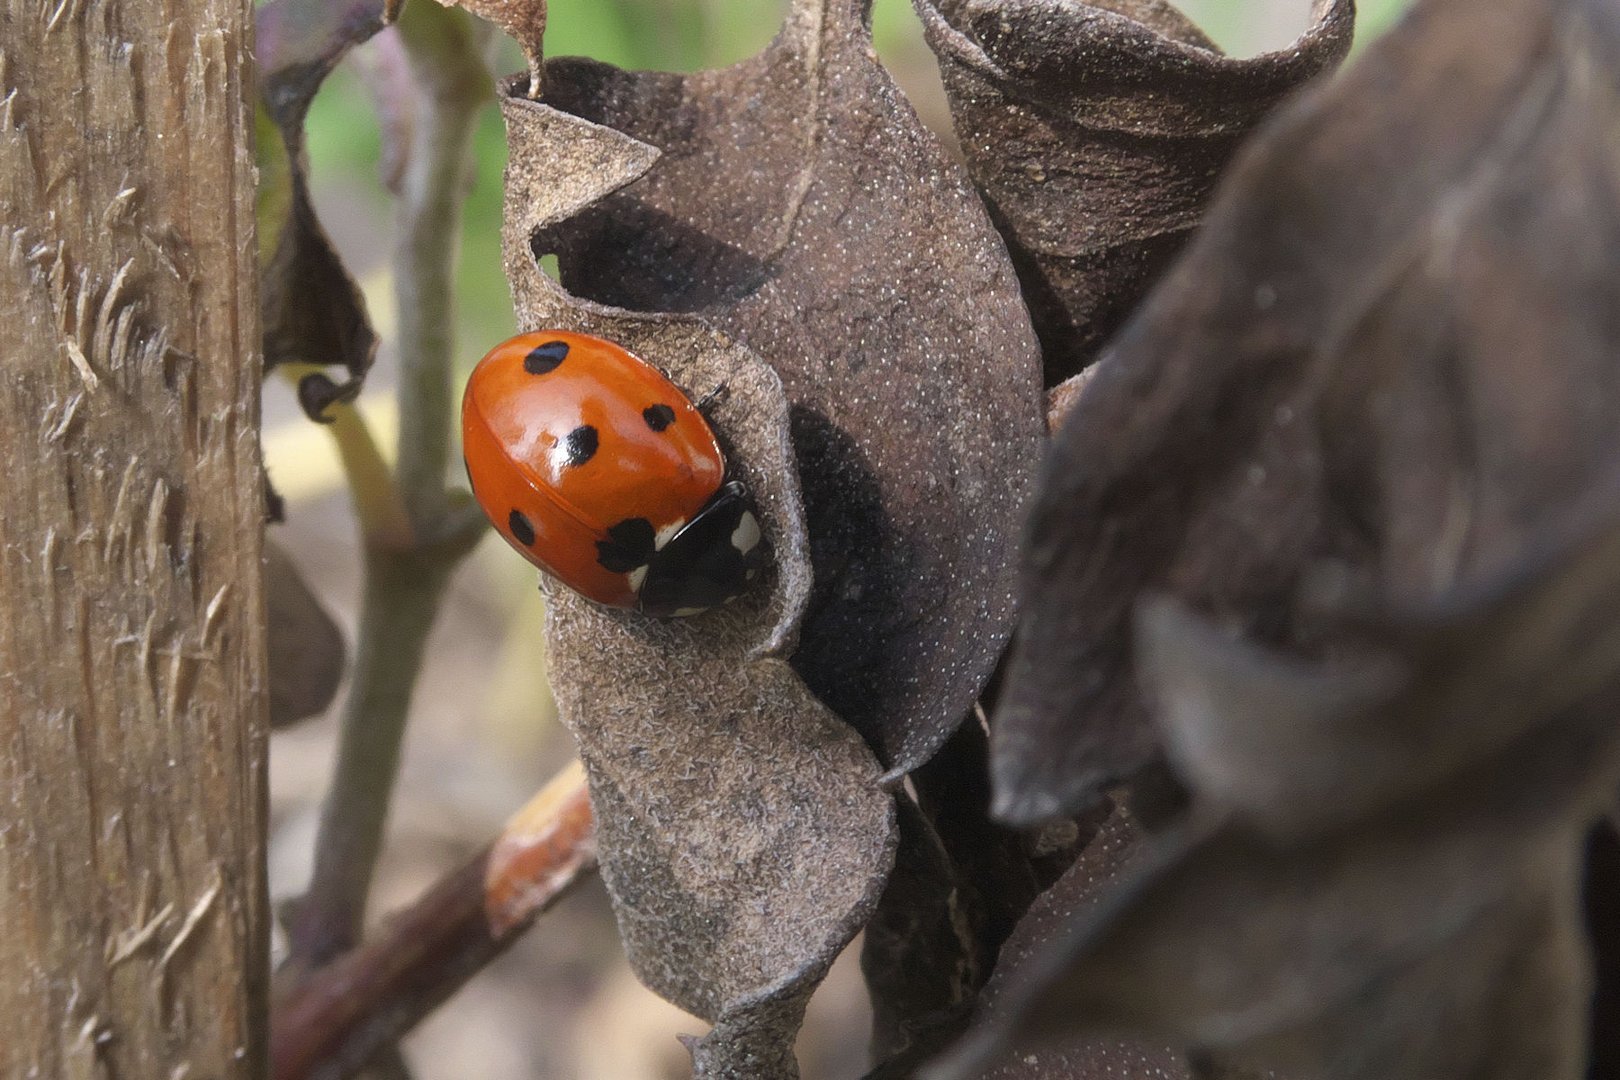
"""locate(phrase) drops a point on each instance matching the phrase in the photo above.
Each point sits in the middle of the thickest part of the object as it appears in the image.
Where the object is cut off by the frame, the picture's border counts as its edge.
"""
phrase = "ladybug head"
(709, 561)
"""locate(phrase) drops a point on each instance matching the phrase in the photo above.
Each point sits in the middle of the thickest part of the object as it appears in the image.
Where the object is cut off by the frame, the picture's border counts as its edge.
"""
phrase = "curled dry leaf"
(1062, 398)
(306, 647)
(1391, 351)
(803, 210)
(312, 310)
(525, 21)
(944, 926)
(1388, 350)
(1297, 750)
(742, 832)
(922, 954)
(1096, 132)
(1375, 918)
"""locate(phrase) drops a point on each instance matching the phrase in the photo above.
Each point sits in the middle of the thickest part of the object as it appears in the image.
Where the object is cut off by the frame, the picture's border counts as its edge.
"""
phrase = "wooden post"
(132, 646)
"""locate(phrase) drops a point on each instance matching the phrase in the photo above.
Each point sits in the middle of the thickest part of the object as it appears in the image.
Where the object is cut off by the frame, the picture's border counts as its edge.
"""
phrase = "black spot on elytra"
(543, 359)
(658, 417)
(581, 443)
(629, 545)
(520, 527)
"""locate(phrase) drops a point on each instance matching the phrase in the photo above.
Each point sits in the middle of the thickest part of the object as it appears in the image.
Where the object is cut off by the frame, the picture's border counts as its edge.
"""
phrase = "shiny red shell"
(566, 436)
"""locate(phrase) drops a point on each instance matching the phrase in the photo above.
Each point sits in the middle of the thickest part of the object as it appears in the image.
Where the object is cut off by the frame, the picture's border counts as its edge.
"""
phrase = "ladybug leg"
(709, 561)
(717, 394)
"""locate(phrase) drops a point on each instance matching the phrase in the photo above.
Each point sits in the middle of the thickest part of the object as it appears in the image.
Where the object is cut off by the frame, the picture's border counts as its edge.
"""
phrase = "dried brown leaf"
(922, 961)
(1440, 936)
(1389, 349)
(1296, 750)
(742, 831)
(1096, 132)
(525, 21)
(313, 312)
(1391, 352)
(306, 647)
(1116, 848)
(802, 209)
(299, 42)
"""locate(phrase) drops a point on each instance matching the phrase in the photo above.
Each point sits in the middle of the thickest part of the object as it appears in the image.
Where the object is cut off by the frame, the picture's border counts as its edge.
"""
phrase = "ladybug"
(596, 467)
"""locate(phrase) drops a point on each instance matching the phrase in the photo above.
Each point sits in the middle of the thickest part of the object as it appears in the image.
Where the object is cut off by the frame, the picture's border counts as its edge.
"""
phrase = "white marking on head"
(681, 613)
(637, 576)
(745, 537)
(666, 534)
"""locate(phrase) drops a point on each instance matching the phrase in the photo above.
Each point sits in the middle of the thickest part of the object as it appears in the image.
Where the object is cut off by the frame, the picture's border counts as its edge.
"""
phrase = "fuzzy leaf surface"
(802, 209)
(742, 831)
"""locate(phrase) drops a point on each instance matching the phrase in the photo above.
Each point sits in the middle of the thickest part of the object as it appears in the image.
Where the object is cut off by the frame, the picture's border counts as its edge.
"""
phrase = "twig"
(1062, 398)
(445, 52)
(404, 576)
(344, 1014)
(400, 598)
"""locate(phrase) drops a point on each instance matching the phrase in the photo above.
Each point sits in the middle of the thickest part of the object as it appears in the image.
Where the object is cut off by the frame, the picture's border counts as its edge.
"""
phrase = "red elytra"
(600, 471)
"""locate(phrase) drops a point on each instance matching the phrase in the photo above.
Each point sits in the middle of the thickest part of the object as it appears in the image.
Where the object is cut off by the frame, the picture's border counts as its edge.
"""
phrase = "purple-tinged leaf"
(313, 312)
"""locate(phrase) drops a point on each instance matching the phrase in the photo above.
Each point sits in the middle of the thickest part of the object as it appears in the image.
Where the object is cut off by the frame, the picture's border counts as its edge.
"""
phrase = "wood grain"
(132, 644)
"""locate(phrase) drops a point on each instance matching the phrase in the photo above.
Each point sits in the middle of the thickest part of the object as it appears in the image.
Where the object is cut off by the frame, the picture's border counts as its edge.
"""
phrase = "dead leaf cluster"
(1312, 585)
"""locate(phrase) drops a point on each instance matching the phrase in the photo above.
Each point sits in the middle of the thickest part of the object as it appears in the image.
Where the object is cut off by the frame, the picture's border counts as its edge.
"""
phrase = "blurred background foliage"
(483, 735)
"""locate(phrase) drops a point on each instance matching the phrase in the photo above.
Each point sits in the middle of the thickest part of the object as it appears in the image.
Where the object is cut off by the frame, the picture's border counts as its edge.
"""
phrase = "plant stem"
(404, 575)
(398, 603)
(444, 48)
(378, 507)
(341, 1016)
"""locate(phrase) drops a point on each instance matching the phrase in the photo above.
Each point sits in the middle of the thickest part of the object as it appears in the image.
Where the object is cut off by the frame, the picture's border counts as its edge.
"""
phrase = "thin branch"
(403, 582)
(1062, 398)
(344, 1014)
(445, 51)
(400, 597)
